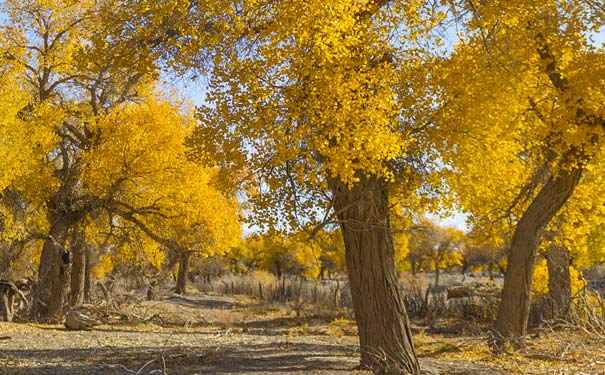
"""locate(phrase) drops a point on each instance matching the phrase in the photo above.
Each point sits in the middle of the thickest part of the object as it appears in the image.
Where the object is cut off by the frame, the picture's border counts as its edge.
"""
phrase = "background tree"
(534, 66)
(93, 99)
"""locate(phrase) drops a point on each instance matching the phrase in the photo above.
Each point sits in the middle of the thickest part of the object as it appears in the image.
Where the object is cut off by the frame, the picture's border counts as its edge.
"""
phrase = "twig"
(145, 365)
(117, 365)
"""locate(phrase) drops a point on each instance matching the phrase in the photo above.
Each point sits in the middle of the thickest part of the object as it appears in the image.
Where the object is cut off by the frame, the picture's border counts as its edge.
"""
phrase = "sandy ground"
(213, 334)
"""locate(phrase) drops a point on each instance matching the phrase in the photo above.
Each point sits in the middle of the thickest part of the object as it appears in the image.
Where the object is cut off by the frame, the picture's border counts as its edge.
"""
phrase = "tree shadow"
(205, 302)
(273, 358)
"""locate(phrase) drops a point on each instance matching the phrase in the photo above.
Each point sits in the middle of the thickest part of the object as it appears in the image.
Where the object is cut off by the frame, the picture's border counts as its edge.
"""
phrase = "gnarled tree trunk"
(87, 273)
(181, 280)
(47, 298)
(382, 320)
(559, 282)
(513, 312)
(78, 270)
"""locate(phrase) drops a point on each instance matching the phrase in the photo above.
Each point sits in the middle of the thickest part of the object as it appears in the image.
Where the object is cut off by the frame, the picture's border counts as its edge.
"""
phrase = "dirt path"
(202, 334)
(49, 350)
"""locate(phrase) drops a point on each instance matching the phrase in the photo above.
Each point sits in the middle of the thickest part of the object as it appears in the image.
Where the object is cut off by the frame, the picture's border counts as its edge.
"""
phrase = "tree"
(146, 180)
(50, 42)
(435, 248)
(93, 99)
(446, 252)
(323, 104)
(331, 251)
(525, 75)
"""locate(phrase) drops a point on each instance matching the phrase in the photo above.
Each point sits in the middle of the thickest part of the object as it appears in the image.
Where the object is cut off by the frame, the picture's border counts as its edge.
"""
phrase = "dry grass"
(284, 332)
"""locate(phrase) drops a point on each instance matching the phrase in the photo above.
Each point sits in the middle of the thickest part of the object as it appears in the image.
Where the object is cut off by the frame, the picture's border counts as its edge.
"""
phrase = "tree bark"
(382, 320)
(181, 280)
(78, 271)
(513, 312)
(7, 306)
(87, 273)
(59, 296)
(46, 303)
(490, 270)
(559, 282)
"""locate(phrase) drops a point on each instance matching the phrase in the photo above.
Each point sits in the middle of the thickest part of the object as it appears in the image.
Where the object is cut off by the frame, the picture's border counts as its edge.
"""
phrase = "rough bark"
(559, 283)
(50, 272)
(513, 312)
(87, 273)
(490, 270)
(78, 273)
(181, 279)
(382, 320)
(7, 300)
(7, 307)
(59, 296)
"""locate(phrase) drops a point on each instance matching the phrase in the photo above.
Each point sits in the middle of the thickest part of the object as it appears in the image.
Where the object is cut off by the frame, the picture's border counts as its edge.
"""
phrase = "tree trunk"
(490, 270)
(414, 267)
(7, 306)
(513, 312)
(59, 296)
(181, 279)
(437, 274)
(382, 320)
(559, 282)
(78, 272)
(87, 273)
(47, 299)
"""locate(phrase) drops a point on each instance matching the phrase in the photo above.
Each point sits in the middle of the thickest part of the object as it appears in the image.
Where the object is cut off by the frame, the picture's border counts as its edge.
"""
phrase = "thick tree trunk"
(87, 273)
(7, 307)
(181, 280)
(47, 299)
(437, 274)
(513, 311)
(78, 272)
(559, 282)
(414, 266)
(382, 320)
(59, 296)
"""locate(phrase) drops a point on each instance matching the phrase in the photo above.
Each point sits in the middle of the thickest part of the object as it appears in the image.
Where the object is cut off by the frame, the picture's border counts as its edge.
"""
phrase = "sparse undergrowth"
(211, 333)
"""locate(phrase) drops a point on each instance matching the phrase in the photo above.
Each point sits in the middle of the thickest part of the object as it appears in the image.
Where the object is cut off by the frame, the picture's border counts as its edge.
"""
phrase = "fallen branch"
(472, 290)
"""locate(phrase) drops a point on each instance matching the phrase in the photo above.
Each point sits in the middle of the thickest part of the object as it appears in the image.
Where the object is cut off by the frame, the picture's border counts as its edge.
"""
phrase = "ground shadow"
(274, 358)
(206, 302)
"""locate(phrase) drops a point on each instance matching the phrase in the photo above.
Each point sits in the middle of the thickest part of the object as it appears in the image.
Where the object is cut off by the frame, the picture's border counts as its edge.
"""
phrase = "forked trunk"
(382, 320)
(559, 283)
(181, 280)
(513, 312)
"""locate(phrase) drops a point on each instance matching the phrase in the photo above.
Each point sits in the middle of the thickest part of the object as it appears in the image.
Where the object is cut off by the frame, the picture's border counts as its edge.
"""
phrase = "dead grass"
(217, 334)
